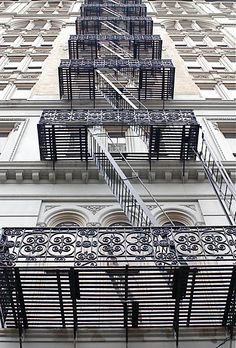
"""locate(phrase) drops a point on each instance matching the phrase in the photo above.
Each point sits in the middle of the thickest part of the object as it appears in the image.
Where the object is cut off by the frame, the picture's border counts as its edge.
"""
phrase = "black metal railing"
(103, 117)
(220, 180)
(130, 201)
(111, 25)
(93, 247)
(168, 134)
(152, 78)
(115, 46)
(110, 8)
(113, 278)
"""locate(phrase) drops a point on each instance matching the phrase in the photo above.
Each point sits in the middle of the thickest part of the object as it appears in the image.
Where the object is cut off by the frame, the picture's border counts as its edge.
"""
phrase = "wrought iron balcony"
(169, 134)
(117, 25)
(118, 278)
(147, 78)
(107, 9)
(118, 246)
(113, 46)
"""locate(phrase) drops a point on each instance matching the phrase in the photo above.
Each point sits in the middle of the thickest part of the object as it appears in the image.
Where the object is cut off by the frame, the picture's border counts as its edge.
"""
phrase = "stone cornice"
(48, 104)
(69, 172)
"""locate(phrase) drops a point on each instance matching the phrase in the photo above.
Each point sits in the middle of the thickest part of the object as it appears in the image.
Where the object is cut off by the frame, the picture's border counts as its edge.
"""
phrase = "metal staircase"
(115, 91)
(130, 201)
(116, 50)
(220, 180)
(111, 27)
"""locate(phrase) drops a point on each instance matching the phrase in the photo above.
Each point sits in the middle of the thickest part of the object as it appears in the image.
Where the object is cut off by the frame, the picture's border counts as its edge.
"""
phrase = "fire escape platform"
(110, 8)
(91, 277)
(150, 78)
(94, 46)
(111, 24)
(169, 134)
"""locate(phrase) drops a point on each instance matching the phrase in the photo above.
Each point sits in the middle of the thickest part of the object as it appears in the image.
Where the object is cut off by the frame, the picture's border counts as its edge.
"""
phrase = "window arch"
(178, 218)
(120, 224)
(115, 219)
(67, 219)
(19, 24)
(176, 223)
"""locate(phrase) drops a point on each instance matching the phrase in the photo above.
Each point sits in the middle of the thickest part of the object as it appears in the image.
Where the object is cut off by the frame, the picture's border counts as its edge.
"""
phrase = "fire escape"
(142, 276)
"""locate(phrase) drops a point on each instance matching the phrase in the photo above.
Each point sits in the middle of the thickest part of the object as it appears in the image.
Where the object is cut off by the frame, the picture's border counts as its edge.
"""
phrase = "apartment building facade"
(117, 174)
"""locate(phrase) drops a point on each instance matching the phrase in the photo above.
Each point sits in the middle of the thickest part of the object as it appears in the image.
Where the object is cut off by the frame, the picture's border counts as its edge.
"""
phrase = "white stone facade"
(199, 36)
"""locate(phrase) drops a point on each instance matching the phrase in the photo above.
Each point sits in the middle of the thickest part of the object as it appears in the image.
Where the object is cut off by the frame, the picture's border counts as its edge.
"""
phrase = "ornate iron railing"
(109, 8)
(90, 247)
(152, 78)
(135, 46)
(169, 134)
(109, 24)
(101, 117)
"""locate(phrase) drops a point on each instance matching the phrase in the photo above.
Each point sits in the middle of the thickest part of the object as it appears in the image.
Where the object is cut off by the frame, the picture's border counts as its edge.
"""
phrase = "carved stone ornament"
(4, 77)
(215, 126)
(94, 208)
(231, 77)
(16, 126)
(201, 76)
(190, 206)
(49, 207)
(35, 76)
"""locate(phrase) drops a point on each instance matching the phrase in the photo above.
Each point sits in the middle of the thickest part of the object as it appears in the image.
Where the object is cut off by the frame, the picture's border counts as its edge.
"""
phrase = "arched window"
(176, 223)
(120, 224)
(67, 219)
(115, 219)
(67, 224)
(178, 219)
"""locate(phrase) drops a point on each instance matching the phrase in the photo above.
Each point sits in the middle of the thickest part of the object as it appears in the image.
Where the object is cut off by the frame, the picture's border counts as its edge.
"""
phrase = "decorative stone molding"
(66, 217)
(29, 77)
(114, 218)
(93, 224)
(175, 216)
(201, 76)
(94, 208)
(231, 77)
(49, 207)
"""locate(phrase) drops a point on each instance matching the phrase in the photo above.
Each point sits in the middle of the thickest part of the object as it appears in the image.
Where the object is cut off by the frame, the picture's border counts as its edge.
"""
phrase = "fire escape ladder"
(114, 92)
(110, 12)
(116, 50)
(112, 27)
(220, 180)
(130, 201)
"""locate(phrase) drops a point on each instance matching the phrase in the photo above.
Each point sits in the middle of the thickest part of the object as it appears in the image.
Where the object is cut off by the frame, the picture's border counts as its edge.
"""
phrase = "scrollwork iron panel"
(94, 117)
(153, 78)
(96, 246)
